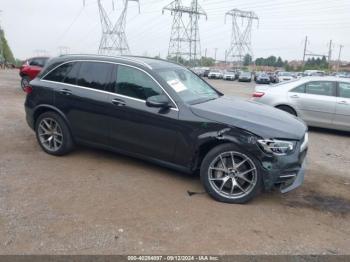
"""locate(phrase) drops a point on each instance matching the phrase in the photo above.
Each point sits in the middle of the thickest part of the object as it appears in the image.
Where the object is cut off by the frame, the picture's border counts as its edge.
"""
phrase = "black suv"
(162, 112)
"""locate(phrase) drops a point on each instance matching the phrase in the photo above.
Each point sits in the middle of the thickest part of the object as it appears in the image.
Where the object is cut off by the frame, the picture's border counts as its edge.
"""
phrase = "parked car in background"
(229, 75)
(284, 76)
(314, 73)
(162, 112)
(319, 101)
(206, 72)
(273, 77)
(245, 77)
(198, 71)
(263, 78)
(30, 69)
(215, 73)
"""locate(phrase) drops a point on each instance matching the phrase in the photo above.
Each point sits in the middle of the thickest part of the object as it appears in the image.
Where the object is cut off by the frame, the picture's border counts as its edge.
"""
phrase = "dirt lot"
(96, 202)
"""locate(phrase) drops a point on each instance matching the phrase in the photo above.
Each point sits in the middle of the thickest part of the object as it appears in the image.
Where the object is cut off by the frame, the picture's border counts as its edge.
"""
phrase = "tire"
(213, 179)
(24, 82)
(53, 134)
(287, 109)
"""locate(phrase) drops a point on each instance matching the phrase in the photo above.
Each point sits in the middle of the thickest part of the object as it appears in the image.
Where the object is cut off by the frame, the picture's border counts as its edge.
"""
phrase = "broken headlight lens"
(276, 147)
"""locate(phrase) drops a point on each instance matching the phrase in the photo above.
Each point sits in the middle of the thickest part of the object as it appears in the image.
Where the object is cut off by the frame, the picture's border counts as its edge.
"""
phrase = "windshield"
(190, 88)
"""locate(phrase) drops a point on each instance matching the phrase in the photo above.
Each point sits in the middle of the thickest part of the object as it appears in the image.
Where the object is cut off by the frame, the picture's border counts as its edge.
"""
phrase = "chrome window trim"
(102, 91)
(118, 57)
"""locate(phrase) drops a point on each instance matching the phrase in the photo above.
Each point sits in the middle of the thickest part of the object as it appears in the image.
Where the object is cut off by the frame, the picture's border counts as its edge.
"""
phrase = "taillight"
(258, 94)
(28, 89)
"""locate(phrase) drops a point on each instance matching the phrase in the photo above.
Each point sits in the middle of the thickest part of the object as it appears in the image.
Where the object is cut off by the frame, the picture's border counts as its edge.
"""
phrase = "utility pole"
(330, 55)
(305, 45)
(184, 38)
(338, 65)
(113, 39)
(216, 50)
(241, 34)
(205, 53)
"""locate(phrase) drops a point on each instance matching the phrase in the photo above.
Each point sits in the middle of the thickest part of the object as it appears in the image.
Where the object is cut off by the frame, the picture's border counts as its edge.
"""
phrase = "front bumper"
(286, 172)
(294, 181)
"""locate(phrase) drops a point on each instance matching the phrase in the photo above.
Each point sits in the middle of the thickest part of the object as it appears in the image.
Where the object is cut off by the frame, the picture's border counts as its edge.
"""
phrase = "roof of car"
(151, 63)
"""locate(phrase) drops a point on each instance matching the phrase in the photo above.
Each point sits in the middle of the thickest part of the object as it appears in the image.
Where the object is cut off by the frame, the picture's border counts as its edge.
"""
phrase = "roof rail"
(129, 58)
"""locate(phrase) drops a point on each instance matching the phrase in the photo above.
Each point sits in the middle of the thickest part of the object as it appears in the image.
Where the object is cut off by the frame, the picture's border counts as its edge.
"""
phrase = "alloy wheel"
(232, 175)
(50, 134)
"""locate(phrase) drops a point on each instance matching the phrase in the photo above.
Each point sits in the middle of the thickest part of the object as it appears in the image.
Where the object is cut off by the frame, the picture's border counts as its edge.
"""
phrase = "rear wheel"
(287, 109)
(53, 134)
(230, 175)
(24, 82)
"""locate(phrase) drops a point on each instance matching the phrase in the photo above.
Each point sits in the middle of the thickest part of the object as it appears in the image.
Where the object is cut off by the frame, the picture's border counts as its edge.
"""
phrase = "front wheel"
(230, 175)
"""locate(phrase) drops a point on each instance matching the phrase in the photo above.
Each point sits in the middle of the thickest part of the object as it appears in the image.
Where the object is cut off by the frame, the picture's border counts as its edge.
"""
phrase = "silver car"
(319, 101)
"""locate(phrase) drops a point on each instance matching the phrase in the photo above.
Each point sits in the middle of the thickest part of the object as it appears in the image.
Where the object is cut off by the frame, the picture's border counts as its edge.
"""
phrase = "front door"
(135, 127)
(342, 112)
(317, 105)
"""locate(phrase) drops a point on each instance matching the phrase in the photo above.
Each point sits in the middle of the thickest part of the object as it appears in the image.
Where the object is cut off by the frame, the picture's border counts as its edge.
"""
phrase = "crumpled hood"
(262, 120)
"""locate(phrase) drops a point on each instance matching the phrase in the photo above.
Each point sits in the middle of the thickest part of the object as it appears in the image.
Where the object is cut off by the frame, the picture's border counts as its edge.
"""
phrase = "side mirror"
(158, 101)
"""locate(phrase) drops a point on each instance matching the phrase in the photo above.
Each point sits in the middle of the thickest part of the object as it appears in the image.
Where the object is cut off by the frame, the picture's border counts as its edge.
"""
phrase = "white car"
(229, 75)
(215, 73)
(284, 76)
(319, 101)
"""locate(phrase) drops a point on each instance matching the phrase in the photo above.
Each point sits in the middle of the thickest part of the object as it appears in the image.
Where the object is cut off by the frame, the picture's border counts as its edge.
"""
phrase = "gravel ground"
(97, 202)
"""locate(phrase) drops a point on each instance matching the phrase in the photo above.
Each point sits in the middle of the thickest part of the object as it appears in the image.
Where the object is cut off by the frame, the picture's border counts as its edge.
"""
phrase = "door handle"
(343, 103)
(118, 102)
(66, 92)
(294, 96)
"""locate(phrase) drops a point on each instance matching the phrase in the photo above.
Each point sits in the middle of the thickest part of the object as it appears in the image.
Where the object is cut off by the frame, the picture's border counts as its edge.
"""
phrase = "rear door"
(317, 104)
(80, 93)
(135, 127)
(342, 112)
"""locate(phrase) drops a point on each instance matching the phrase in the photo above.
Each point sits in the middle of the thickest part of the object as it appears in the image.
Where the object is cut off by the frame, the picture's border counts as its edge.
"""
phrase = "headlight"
(276, 147)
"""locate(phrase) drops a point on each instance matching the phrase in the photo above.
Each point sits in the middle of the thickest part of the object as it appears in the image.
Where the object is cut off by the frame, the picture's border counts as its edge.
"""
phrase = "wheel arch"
(287, 105)
(46, 108)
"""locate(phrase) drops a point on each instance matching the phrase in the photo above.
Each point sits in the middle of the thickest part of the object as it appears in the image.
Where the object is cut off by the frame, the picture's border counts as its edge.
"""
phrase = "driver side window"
(134, 83)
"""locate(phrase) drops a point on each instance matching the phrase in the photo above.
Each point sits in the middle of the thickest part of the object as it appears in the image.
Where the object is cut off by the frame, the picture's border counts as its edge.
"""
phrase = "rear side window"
(95, 74)
(58, 74)
(135, 83)
(320, 88)
(344, 90)
(298, 89)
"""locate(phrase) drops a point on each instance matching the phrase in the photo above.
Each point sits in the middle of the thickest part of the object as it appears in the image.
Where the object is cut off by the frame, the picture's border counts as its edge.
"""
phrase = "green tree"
(247, 60)
(6, 50)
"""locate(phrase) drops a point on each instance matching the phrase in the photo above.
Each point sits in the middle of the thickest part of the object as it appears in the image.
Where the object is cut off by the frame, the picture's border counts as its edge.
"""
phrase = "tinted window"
(135, 83)
(299, 89)
(320, 88)
(344, 90)
(59, 73)
(71, 75)
(94, 74)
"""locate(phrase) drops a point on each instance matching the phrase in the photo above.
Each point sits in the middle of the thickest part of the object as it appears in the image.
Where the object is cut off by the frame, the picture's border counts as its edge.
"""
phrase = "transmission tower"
(113, 40)
(242, 22)
(184, 38)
